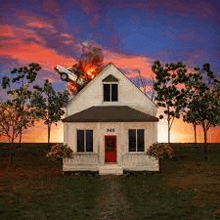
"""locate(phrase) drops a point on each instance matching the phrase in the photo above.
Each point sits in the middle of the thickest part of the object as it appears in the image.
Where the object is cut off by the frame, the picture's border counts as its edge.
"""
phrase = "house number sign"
(110, 130)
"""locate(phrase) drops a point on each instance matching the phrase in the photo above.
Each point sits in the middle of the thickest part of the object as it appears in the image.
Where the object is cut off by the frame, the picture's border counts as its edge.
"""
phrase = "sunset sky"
(132, 35)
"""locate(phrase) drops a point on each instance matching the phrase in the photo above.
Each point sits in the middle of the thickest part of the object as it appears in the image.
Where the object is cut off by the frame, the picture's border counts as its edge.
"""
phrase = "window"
(84, 140)
(136, 140)
(110, 89)
(110, 92)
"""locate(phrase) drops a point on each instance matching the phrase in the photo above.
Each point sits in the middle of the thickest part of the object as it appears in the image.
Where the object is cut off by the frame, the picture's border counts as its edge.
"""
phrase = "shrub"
(59, 151)
(160, 150)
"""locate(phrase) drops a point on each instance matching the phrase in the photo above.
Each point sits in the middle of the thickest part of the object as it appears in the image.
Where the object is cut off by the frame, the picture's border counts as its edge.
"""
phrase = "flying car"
(70, 74)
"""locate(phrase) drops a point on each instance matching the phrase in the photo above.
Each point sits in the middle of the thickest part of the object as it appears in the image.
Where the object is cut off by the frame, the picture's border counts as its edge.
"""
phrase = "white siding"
(140, 161)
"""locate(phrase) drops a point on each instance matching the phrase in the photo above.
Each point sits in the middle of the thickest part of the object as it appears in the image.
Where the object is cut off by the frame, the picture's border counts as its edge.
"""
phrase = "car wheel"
(64, 77)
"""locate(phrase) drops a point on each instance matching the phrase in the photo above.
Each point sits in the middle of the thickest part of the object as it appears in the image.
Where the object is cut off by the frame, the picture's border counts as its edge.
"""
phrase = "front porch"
(93, 162)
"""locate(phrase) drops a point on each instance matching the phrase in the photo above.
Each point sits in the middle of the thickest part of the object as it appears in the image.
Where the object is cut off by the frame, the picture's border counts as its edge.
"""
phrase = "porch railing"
(133, 159)
(82, 159)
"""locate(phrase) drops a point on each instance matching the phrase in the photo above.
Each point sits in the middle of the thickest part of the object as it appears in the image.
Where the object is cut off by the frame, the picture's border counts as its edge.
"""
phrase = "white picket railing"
(133, 159)
(82, 159)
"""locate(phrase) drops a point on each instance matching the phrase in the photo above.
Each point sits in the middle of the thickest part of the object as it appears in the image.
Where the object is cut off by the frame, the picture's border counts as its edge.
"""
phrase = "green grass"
(34, 188)
(152, 200)
(49, 198)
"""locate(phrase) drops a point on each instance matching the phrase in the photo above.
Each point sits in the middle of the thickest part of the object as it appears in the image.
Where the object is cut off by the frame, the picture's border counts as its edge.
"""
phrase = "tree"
(203, 101)
(192, 117)
(16, 113)
(13, 119)
(169, 87)
(191, 113)
(49, 101)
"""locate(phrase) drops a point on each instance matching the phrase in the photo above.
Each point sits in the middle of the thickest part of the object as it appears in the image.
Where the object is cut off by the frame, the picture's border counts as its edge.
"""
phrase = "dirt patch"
(112, 203)
(29, 172)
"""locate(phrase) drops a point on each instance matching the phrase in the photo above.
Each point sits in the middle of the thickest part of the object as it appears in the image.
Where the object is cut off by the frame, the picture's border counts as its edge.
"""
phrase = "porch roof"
(110, 114)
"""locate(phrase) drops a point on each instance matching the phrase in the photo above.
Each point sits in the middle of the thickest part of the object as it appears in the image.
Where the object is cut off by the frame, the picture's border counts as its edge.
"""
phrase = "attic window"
(110, 89)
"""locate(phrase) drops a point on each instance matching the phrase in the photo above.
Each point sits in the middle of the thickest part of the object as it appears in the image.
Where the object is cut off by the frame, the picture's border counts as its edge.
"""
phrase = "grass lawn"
(34, 188)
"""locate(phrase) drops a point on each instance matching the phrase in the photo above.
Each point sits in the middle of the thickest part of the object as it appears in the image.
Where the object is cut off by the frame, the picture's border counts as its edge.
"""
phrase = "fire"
(90, 70)
(72, 87)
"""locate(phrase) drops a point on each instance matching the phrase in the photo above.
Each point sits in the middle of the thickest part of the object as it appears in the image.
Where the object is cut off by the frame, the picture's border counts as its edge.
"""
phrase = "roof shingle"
(110, 114)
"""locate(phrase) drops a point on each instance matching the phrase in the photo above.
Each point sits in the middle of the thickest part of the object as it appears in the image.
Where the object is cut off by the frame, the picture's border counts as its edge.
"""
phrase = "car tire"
(64, 77)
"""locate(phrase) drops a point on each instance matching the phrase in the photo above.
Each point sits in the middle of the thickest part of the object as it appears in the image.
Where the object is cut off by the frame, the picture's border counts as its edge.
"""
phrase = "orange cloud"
(36, 22)
(68, 42)
(27, 46)
(6, 31)
(39, 24)
(131, 63)
(67, 39)
(32, 52)
(66, 35)
(21, 34)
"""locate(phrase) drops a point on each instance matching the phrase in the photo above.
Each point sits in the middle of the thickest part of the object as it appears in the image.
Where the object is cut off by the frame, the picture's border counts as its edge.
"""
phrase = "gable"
(110, 78)
(129, 94)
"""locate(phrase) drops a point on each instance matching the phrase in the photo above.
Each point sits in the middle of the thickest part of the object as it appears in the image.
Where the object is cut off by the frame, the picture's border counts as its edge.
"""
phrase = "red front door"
(110, 149)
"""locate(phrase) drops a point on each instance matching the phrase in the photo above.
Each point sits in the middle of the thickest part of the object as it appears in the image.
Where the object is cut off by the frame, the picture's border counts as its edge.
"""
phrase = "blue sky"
(132, 34)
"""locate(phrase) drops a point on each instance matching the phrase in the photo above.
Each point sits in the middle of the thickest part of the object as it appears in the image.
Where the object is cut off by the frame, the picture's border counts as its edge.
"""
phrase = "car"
(70, 74)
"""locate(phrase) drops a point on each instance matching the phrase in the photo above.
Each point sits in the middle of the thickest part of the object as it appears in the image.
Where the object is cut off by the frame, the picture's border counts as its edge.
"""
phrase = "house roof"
(100, 73)
(110, 114)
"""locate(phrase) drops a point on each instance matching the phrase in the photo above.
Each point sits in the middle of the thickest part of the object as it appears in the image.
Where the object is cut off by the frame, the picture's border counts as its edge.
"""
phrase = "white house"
(109, 125)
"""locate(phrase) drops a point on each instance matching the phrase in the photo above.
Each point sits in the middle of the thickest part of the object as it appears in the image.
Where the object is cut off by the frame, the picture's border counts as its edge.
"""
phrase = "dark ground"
(34, 188)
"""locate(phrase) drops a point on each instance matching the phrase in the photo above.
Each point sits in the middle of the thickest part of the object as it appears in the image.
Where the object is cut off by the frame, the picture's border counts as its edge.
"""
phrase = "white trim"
(136, 151)
(84, 133)
(110, 83)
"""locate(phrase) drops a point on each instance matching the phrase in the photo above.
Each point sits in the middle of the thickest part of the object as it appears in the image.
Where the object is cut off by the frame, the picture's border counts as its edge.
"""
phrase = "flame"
(72, 87)
(89, 70)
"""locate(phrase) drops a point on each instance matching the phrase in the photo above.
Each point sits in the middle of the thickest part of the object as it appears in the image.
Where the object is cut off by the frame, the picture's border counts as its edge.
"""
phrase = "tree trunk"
(11, 154)
(20, 137)
(195, 134)
(48, 140)
(205, 143)
(168, 136)
(168, 131)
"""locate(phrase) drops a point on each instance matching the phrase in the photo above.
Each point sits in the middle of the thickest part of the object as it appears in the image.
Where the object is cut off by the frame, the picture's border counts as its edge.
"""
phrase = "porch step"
(109, 169)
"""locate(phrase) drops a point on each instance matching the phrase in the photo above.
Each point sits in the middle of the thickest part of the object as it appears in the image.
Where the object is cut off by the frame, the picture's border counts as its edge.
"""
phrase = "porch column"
(121, 142)
(98, 132)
